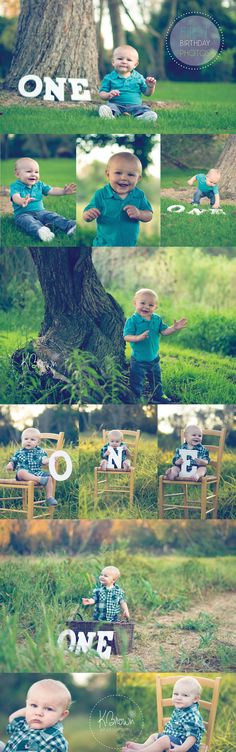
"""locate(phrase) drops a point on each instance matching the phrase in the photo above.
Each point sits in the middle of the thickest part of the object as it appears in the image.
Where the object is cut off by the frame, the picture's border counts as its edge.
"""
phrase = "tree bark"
(55, 39)
(226, 164)
(79, 313)
(118, 31)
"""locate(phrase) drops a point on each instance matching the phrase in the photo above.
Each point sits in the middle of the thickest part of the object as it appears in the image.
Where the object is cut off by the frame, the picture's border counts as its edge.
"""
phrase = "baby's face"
(114, 440)
(211, 179)
(145, 305)
(43, 708)
(124, 60)
(30, 440)
(107, 577)
(193, 436)
(27, 171)
(183, 695)
(123, 174)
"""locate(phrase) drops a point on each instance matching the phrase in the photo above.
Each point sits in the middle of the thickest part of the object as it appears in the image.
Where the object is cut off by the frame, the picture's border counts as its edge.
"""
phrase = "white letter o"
(52, 460)
(38, 86)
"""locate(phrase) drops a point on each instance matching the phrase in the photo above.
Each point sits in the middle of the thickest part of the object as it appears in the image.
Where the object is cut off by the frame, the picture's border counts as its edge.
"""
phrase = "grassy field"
(207, 229)
(201, 108)
(117, 505)
(184, 611)
(67, 492)
(54, 172)
(141, 689)
(227, 488)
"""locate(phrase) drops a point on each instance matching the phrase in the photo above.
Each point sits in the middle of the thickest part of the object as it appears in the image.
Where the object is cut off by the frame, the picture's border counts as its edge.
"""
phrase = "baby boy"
(29, 213)
(193, 440)
(108, 597)
(184, 730)
(115, 440)
(122, 88)
(28, 462)
(207, 187)
(120, 206)
(38, 726)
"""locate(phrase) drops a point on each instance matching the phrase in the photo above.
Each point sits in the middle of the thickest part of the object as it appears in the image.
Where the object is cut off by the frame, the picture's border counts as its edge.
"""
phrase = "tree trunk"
(118, 31)
(79, 314)
(55, 39)
(226, 165)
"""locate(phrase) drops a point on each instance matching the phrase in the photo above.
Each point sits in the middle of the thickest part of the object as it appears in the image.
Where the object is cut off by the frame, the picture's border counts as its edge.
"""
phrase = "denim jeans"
(139, 369)
(31, 222)
(132, 109)
(201, 194)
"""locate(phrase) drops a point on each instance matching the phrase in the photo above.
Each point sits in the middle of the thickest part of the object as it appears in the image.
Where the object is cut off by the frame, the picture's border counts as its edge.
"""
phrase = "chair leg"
(30, 510)
(131, 488)
(186, 502)
(161, 497)
(215, 510)
(203, 498)
(106, 486)
(95, 486)
(24, 499)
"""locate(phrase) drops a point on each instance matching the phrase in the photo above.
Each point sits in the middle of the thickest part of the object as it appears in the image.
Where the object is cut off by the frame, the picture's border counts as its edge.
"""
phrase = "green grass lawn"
(203, 107)
(39, 595)
(54, 172)
(207, 229)
(117, 505)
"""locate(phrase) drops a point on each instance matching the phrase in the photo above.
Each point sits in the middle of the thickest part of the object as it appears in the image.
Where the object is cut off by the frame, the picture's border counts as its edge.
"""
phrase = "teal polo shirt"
(37, 191)
(114, 227)
(201, 179)
(146, 349)
(130, 87)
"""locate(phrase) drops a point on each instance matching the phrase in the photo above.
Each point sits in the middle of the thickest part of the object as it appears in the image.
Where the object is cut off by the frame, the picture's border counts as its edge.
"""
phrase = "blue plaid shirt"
(23, 738)
(29, 459)
(186, 722)
(107, 602)
(202, 453)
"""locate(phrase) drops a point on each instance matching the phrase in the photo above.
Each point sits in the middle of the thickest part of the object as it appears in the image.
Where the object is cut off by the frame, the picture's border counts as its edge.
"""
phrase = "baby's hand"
(25, 201)
(114, 93)
(70, 188)
(179, 462)
(91, 214)
(180, 324)
(10, 466)
(190, 181)
(132, 211)
(87, 601)
(45, 461)
(144, 335)
(150, 81)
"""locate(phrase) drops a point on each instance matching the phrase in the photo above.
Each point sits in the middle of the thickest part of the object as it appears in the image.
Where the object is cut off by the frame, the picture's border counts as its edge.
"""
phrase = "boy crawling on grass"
(115, 440)
(206, 188)
(184, 730)
(29, 462)
(26, 195)
(193, 440)
(38, 726)
(108, 598)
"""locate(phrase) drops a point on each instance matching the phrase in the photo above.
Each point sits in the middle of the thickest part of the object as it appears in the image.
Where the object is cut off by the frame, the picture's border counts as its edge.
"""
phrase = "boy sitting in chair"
(197, 464)
(115, 446)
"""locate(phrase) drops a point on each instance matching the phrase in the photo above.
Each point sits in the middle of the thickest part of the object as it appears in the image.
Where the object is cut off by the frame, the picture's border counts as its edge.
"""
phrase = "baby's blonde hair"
(125, 47)
(144, 291)
(57, 687)
(33, 431)
(19, 162)
(116, 433)
(191, 427)
(214, 174)
(112, 570)
(126, 155)
(192, 684)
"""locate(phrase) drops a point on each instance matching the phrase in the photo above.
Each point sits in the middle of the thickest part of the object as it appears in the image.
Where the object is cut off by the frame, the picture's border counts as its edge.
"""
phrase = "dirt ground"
(165, 646)
(186, 194)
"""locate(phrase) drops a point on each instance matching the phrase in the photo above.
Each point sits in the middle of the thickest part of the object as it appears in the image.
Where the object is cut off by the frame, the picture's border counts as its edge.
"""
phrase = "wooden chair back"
(209, 705)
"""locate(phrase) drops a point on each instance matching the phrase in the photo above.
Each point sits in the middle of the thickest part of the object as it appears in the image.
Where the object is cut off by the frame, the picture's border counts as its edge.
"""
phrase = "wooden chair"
(216, 453)
(108, 483)
(209, 705)
(27, 487)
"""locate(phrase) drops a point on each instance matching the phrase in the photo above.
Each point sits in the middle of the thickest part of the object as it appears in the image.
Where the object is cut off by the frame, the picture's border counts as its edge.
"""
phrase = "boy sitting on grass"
(184, 730)
(142, 330)
(29, 213)
(122, 88)
(115, 440)
(207, 188)
(120, 206)
(38, 726)
(193, 440)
